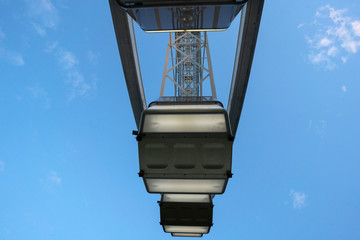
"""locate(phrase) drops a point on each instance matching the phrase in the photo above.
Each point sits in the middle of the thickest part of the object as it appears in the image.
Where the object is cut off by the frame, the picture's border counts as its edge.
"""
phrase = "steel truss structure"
(188, 64)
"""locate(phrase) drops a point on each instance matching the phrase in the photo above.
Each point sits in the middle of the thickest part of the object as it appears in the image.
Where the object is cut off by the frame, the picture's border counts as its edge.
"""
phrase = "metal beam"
(125, 36)
(248, 32)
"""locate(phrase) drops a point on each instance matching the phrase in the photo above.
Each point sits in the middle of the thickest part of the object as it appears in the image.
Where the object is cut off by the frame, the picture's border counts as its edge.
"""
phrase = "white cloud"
(79, 87)
(37, 91)
(93, 57)
(2, 166)
(325, 42)
(318, 126)
(43, 15)
(51, 47)
(67, 59)
(356, 27)
(335, 15)
(51, 182)
(301, 25)
(53, 177)
(351, 46)
(43, 12)
(323, 56)
(332, 51)
(70, 65)
(41, 95)
(13, 58)
(319, 57)
(343, 88)
(335, 37)
(298, 199)
(39, 29)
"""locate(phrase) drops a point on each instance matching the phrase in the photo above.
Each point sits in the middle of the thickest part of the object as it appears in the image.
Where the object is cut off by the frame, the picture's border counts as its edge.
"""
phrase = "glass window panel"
(193, 198)
(188, 106)
(206, 17)
(184, 123)
(162, 2)
(186, 234)
(186, 229)
(155, 185)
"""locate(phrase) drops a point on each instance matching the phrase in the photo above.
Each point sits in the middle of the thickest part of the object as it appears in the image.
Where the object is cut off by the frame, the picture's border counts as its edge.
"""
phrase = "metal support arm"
(248, 32)
(125, 37)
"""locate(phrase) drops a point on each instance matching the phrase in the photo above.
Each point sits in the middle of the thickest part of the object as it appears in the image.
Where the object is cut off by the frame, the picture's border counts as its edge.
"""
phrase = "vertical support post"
(248, 32)
(211, 74)
(165, 68)
(125, 36)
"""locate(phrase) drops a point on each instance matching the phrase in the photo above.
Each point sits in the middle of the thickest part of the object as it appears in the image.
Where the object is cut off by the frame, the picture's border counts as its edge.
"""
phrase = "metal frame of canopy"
(180, 15)
(248, 32)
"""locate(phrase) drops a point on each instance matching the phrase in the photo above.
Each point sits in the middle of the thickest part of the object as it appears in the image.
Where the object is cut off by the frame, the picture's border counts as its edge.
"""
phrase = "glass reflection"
(207, 17)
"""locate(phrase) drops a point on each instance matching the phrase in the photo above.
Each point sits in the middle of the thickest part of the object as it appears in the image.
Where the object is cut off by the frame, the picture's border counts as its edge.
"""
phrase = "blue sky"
(68, 161)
